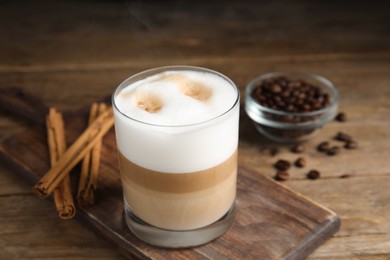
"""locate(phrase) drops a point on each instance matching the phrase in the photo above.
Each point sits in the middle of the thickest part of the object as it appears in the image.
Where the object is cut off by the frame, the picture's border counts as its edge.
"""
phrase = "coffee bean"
(300, 162)
(298, 148)
(313, 174)
(290, 95)
(341, 117)
(282, 165)
(333, 150)
(276, 88)
(323, 146)
(293, 96)
(351, 145)
(282, 176)
(343, 137)
(286, 93)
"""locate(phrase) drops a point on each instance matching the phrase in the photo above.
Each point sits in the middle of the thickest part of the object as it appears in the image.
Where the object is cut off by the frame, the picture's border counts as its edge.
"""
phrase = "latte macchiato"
(177, 135)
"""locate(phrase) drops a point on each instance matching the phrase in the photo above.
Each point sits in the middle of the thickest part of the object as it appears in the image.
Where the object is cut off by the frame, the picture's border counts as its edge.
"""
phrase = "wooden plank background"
(72, 52)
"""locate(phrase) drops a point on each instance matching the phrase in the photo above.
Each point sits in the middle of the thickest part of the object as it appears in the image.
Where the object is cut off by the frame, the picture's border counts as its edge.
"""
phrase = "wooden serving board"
(271, 221)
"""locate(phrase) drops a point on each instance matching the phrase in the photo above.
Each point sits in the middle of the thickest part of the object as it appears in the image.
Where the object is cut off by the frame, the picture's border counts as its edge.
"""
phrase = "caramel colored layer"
(177, 182)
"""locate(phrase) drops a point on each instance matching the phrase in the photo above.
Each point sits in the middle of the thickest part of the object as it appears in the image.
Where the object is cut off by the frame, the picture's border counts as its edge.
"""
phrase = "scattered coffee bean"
(333, 150)
(341, 117)
(343, 137)
(299, 148)
(313, 174)
(351, 145)
(282, 165)
(300, 162)
(282, 176)
(323, 147)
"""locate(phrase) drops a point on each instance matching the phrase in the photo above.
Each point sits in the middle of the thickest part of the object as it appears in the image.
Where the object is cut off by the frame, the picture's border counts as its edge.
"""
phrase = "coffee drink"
(177, 135)
(181, 201)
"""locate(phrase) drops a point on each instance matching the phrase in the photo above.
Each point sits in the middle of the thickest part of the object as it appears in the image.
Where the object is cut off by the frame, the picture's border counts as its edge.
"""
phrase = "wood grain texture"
(69, 60)
(271, 221)
(143, 31)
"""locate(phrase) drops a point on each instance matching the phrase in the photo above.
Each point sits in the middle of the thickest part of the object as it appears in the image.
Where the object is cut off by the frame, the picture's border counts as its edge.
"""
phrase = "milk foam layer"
(178, 106)
(185, 133)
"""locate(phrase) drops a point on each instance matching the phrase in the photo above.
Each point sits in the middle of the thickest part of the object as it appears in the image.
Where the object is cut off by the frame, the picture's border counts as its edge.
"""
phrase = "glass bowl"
(282, 126)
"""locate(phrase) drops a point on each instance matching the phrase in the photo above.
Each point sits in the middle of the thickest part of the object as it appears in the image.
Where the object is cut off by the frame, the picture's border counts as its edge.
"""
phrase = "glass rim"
(325, 82)
(150, 72)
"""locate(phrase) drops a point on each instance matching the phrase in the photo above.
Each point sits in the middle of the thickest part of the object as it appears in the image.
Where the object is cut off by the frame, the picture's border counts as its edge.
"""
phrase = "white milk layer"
(180, 133)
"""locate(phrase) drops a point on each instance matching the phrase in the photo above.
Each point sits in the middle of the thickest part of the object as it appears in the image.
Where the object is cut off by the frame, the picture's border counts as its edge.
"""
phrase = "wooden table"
(72, 53)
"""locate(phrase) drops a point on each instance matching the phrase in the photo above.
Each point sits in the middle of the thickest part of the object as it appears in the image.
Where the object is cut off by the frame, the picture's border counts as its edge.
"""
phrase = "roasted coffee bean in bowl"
(290, 107)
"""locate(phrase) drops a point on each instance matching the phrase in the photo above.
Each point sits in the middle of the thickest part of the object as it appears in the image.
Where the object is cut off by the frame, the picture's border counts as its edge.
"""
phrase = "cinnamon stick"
(90, 166)
(47, 184)
(56, 140)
